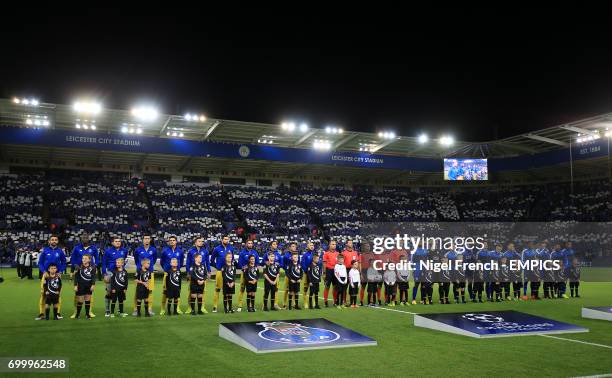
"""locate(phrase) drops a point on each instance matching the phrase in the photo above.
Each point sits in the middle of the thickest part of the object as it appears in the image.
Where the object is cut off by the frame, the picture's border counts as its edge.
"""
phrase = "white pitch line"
(578, 341)
(392, 309)
(596, 376)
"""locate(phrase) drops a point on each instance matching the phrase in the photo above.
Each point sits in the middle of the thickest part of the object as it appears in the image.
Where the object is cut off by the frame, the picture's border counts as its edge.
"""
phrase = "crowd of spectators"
(34, 206)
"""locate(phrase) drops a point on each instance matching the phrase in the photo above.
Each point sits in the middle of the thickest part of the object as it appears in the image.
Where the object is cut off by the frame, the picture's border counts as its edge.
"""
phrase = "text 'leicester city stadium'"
(239, 239)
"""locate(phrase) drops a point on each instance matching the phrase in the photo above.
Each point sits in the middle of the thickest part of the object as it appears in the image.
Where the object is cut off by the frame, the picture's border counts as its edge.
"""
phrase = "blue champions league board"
(291, 335)
(486, 324)
(600, 313)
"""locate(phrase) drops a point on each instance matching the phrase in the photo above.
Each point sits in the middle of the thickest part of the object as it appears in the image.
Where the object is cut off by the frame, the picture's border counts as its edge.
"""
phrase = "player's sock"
(78, 309)
(310, 300)
(112, 308)
(296, 299)
(414, 293)
(361, 294)
(378, 293)
(325, 294)
(107, 303)
(138, 304)
(241, 295)
(200, 305)
(169, 307)
(121, 307)
(215, 299)
(87, 307)
(316, 299)
(290, 302)
(47, 311)
(285, 297)
(192, 304)
(265, 303)
(55, 312)
(175, 306)
(229, 304)
(335, 295)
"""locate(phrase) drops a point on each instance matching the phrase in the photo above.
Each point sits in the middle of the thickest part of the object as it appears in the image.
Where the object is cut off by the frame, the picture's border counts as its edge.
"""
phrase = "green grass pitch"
(188, 345)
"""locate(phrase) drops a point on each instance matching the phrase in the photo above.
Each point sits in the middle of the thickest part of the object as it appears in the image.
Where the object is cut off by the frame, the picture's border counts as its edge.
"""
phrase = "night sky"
(476, 75)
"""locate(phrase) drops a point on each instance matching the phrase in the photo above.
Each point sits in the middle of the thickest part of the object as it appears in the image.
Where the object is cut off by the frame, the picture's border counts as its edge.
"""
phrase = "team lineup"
(348, 275)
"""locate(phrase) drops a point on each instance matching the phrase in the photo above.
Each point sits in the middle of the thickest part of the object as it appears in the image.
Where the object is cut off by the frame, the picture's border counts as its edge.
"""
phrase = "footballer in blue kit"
(217, 259)
(146, 251)
(286, 264)
(305, 262)
(171, 251)
(197, 249)
(243, 262)
(51, 254)
(76, 257)
(109, 263)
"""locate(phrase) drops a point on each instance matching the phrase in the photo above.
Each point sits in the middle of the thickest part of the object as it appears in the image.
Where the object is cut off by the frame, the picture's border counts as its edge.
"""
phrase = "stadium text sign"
(102, 140)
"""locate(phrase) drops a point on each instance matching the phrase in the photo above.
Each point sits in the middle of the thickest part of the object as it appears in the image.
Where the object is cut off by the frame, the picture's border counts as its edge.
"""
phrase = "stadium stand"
(33, 206)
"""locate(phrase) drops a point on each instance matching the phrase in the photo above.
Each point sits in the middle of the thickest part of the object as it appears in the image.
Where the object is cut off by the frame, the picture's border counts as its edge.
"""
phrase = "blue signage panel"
(292, 335)
(494, 324)
(161, 145)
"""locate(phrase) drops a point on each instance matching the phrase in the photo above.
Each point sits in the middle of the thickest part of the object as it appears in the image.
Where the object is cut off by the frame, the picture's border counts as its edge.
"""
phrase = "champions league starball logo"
(494, 322)
(295, 333)
(483, 318)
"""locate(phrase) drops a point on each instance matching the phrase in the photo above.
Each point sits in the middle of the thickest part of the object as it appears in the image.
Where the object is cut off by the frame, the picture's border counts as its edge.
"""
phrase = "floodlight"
(145, 113)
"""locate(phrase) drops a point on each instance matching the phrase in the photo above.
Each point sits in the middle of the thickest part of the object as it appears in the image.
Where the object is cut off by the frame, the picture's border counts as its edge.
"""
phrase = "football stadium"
(187, 244)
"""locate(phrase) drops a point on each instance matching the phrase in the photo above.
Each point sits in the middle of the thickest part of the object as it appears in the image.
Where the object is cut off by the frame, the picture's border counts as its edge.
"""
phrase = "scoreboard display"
(466, 170)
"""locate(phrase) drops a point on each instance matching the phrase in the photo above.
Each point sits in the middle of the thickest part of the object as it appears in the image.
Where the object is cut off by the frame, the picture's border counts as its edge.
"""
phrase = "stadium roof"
(239, 132)
(230, 131)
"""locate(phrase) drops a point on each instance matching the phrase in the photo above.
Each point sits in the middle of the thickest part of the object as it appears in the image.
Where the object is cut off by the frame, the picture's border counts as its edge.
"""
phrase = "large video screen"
(466, 169)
